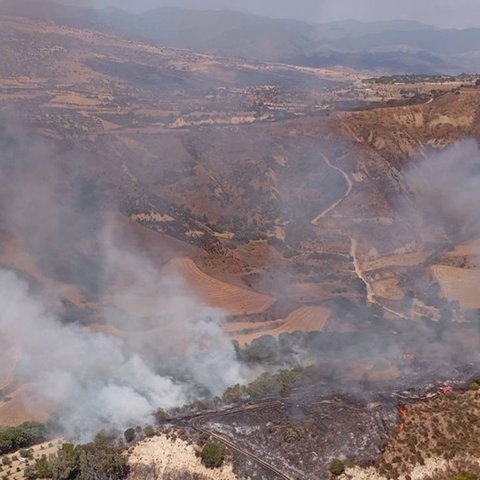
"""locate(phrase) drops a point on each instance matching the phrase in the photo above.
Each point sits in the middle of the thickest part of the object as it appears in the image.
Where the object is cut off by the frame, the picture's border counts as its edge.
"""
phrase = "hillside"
(238, 243)
(395, 47)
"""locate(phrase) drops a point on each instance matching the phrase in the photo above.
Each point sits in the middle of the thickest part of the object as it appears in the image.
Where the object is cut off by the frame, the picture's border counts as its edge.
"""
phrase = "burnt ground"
(302, 440)
(297, 435)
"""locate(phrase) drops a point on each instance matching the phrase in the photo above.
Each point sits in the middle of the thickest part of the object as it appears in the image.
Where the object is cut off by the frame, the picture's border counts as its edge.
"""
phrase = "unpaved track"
(370, 293)
(347, 193)
(196, 423)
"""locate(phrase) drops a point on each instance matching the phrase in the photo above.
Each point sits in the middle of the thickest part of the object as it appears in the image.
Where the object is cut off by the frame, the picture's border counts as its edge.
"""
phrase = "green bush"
(337, 467)
(234, 394)
(22, 436)
(474, 386)
(466, 476)
(42, 467)
(277, 383)
(213, 454)
(101, 459)
(291, 435)
(30, 473)
(26, 453)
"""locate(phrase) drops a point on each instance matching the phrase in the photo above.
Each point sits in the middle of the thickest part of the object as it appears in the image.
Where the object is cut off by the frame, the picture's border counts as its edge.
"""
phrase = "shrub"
(64, 464)
(42, 467)
(30, 473)
(291, 435)
(474, 386)
(337, 467)
(102, 459)
(213, 454)
(6, 460)
(233, 394)
(24, 453)
(129, 435)
(149, 431)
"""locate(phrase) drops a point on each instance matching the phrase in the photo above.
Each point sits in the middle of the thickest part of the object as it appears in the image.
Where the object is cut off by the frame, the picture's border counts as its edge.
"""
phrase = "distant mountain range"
(399, 46)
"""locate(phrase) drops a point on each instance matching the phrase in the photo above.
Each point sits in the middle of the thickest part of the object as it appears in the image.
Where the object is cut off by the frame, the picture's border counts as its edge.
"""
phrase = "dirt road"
(347, 193)
(370, 292)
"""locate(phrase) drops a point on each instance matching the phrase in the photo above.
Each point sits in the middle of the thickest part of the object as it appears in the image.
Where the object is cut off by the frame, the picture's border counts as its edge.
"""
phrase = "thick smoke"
(94, 380)
(446, 188)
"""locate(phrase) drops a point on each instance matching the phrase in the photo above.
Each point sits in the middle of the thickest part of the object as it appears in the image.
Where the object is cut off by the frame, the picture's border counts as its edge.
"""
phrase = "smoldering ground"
(91, 379)
(438, 199)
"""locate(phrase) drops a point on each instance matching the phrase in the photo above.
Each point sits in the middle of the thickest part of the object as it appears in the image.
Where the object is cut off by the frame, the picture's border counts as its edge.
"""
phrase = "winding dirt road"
(347, 193)
(370, 292)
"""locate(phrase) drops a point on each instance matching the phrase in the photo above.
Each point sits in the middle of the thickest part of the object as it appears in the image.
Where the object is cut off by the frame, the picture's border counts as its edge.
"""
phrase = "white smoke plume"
(446, 188)
(158, 346)
(94, 380)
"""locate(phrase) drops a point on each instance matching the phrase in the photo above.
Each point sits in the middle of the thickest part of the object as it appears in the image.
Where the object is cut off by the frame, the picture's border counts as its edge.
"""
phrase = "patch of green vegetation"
(422, 78)
(474, 386)
(101, 459)
(213, 454)
(276, 383)
(290, 435)
(22, 436)
(42, 467)
(337, 467)
(235, 393)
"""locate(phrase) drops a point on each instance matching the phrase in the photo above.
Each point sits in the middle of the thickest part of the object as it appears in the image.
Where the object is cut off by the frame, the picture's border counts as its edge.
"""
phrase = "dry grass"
(458, 284)
(16, 470)
(162, 457)
(440, 439)
(232, 299)
(304, 319)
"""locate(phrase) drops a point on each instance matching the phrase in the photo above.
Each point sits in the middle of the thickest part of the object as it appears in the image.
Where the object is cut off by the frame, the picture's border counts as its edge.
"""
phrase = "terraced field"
(304, 319)
(458, 284)
(234, 300)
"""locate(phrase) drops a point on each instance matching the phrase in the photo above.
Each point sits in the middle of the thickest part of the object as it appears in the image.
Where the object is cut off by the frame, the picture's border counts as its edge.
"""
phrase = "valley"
(209, 221)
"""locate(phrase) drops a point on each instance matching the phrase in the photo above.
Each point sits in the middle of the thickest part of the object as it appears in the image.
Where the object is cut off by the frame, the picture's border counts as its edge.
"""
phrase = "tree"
(24, 435)
(337, 467)
(64, 464)
(42, 467)
(30, 473)
(102, 459)
(213, 454)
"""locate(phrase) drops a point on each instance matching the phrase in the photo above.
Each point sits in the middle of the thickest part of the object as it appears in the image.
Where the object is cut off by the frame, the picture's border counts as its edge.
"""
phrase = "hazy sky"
(445, 13)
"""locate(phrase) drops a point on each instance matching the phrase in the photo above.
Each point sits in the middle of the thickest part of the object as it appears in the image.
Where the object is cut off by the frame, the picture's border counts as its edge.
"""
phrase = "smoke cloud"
(157, 346)
(446, 188)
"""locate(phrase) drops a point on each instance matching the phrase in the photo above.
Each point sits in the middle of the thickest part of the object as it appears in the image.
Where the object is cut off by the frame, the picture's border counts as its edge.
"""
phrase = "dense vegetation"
(102, 459)
(278, 383)
(213, 454)
(426, 78)
(22, 436)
